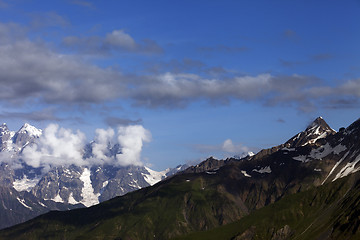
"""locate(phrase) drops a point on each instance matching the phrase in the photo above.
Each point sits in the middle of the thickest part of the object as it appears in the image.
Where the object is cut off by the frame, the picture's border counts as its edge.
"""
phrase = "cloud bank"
(63, 147)
(31, 71)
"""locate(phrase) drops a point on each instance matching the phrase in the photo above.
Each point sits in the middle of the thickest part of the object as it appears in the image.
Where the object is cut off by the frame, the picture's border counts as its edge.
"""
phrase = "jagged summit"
(319, 122)
(316, 130)
(30, 130)
(3, 128)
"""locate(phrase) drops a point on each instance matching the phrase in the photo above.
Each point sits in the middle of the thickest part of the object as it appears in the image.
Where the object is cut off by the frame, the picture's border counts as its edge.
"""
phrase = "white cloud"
(229, 147)
(226, 149)
(36, 72)
(118, 38)
(131, 139)
(116, 41)
(351, 87)
(32, 71)
(62, 147)
(48, 19)
(102, 140)
(171, 90)
(55, 147)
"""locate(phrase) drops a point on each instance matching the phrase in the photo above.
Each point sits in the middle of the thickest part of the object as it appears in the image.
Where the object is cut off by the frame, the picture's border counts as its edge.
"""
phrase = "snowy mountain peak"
(30, 130)
(4, 127)
(154, 177)
(316, 130)
(244, 155)
(5, 138)
(319, 122)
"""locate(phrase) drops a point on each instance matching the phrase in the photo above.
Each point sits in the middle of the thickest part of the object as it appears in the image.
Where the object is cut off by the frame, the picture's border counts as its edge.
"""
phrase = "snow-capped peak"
(243, 155)
(316, 130)
(154, 177)
(30, 130)
(4, 127)
(250, 154)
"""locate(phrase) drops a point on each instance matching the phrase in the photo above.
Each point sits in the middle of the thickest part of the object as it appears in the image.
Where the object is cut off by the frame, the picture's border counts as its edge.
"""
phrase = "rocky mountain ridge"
(64, 185)
(219, 192)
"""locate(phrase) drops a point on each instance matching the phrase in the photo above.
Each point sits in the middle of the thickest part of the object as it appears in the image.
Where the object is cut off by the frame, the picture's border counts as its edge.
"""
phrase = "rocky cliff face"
(17, 207)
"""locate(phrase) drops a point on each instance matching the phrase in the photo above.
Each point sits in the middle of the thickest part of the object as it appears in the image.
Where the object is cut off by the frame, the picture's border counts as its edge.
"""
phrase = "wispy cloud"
(45, 115)
(290, 34)
(177, 90)
(280, 120)
(86, 4)
(225, 149)
(223, 49)
(322, 56)
(115, 121)
(287, 63)
(117, 40)
(177, 66)
(310, 60)
(11, 32)
(3, 4)
(48, 19)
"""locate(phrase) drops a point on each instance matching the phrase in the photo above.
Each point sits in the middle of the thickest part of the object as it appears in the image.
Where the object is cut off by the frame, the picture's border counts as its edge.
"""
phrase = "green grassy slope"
(327, 212)
(227, 197)
(177, 206)
(180, 205)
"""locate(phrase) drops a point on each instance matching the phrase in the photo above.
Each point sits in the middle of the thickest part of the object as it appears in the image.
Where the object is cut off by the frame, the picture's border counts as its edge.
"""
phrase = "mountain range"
(305, 188)
(28, 191)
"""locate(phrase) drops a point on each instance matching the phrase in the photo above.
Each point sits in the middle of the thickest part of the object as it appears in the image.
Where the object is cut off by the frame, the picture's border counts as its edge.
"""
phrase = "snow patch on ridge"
(325, 150)
(30, 130)
(72, 200)
(154, 177)
(335, 166)
(348, 169)
(105, 184)
(25, 184)
(22, 201)
(245, 173)
(266, 169)
(301, 158)
(57, 198)
(134, 184)
(323, 135)
(87, 192)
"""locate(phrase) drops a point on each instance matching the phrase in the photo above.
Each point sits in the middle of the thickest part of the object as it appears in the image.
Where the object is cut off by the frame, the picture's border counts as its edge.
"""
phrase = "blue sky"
(203, 77)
